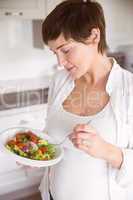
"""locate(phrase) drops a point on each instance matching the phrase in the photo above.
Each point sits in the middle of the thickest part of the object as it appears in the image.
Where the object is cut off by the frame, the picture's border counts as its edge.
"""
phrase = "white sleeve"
(49, 102)
(44, 186)
(124, 176)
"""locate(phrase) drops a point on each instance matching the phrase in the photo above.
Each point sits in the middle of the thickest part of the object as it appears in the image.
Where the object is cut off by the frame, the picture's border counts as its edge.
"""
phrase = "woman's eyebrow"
(60, 46)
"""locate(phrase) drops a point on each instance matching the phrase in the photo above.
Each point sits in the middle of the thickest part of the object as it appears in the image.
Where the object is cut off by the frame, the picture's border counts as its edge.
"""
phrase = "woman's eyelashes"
(65, 51)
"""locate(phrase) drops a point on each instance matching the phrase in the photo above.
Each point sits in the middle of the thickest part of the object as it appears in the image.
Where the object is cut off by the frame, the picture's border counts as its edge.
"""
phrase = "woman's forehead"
(59, 42)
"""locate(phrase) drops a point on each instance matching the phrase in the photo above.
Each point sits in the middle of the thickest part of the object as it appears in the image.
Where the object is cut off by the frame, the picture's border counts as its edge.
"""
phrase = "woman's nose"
(61, 60)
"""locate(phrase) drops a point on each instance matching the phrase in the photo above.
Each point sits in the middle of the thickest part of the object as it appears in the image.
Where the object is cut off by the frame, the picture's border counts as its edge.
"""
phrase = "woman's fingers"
(77, 141)
(83, 128)
(82, 141)
(24, 166)
(82, 147)
(85, 138)
(82, 135)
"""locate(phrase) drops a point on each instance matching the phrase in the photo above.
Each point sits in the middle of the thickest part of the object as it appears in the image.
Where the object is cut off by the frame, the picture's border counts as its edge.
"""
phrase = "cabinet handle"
(8, 13)
(14, 13)
(23, 122)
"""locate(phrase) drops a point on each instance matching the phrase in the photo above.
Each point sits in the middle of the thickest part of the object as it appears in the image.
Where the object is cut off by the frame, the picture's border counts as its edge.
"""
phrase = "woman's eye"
(65, 51)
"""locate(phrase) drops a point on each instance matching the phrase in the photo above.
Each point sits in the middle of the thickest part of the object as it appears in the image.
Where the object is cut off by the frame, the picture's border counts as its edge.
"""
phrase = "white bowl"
(11, 132)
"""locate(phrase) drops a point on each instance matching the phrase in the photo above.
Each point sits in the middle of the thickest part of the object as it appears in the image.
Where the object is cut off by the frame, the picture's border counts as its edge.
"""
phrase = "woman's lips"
(72, 69)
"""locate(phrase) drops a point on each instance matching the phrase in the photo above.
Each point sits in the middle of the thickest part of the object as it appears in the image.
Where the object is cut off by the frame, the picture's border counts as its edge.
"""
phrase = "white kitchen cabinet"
(31, 9)
(12, 176)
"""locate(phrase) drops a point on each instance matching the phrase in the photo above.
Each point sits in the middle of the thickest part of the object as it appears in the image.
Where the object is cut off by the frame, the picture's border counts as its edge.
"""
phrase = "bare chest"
(84, 103)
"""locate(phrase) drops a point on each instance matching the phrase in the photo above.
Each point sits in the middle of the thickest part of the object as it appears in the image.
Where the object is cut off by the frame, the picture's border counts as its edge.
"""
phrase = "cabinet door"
(31, 9)
(51, 4)
(32, 117)
(12, 176)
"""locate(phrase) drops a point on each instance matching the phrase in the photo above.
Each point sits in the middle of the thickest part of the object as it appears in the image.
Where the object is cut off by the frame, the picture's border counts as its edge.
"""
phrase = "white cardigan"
(120, 89)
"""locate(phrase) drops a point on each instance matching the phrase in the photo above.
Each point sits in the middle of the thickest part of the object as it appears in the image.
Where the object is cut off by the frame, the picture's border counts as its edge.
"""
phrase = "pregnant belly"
(77, 177)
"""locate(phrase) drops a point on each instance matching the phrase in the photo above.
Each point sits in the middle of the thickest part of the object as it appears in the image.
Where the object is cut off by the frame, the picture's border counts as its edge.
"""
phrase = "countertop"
(32, 108)
(20, 85)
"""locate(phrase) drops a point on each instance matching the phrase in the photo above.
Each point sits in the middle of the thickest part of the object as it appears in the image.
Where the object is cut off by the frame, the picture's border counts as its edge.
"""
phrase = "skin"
(90, 70)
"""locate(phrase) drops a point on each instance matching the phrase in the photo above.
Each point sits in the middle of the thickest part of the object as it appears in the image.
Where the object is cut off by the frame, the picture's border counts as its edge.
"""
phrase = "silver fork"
(60, 143)
(64, 139)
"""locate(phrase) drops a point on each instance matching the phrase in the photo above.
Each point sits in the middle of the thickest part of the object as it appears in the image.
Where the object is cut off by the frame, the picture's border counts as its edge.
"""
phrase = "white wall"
(15, 32)
(119, 21)
(18, 58)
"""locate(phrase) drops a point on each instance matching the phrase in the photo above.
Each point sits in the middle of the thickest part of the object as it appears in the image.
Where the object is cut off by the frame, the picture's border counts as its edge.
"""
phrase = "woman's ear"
(95, 36)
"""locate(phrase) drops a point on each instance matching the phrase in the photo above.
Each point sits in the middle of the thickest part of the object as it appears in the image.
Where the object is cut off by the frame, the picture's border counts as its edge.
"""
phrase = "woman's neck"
(99, 72)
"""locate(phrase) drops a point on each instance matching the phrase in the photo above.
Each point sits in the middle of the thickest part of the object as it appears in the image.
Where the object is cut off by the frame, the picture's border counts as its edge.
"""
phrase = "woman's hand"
(86, 138)
(26, 166)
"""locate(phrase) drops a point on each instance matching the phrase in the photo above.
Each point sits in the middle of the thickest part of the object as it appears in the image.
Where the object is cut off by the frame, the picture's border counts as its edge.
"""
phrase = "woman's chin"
(74, 73)
(75, 76)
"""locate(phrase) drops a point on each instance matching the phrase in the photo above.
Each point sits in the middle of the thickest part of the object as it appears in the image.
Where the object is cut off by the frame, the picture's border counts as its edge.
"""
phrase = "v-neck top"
(79, 175)
(74, 176)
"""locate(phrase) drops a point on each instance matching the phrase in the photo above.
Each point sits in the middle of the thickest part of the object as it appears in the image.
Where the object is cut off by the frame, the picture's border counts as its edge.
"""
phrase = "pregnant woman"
(90, 99)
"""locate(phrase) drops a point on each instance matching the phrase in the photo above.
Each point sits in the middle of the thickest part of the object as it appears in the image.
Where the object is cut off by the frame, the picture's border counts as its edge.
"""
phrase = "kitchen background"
(26, 67)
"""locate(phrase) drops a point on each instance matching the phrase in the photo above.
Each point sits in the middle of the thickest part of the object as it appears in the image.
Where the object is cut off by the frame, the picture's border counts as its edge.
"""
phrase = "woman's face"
(76, 57)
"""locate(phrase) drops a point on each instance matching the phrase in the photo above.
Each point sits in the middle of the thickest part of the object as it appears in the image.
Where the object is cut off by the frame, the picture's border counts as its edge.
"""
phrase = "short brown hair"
(75, 19)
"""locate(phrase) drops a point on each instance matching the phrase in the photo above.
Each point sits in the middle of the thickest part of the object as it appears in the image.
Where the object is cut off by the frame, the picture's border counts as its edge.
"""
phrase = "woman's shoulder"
(128, 75)
(128, 82)
(127, 72)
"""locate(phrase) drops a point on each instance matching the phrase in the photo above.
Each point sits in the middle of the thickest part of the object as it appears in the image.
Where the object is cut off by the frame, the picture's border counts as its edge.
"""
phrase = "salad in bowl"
(30, 147)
